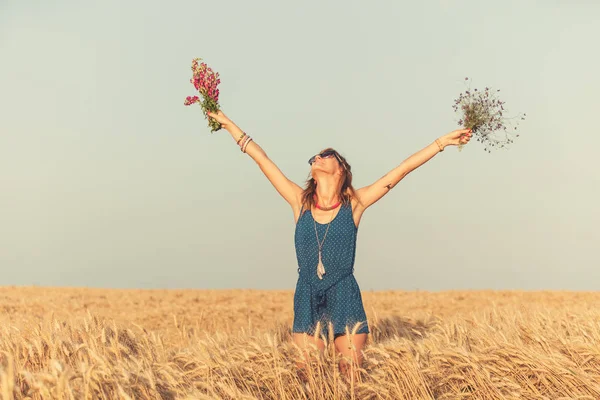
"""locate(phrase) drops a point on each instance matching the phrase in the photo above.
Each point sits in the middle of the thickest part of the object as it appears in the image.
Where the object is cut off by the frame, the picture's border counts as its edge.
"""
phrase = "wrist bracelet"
(246, 144)
(244, 140)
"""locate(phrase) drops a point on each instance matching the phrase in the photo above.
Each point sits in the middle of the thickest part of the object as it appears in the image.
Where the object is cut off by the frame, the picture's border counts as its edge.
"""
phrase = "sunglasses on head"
(325, 154)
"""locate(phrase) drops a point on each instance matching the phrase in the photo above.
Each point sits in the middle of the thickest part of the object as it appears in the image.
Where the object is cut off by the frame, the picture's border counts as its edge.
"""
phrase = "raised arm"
(369, 195)
(290, 191)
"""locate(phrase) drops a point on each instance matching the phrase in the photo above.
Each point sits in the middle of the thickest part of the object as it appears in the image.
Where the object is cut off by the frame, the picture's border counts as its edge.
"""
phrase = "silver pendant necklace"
(320, 266)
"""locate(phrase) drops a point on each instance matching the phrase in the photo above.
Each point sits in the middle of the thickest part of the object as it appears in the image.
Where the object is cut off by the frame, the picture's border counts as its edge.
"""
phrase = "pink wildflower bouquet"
(483, 112)
(205, 80)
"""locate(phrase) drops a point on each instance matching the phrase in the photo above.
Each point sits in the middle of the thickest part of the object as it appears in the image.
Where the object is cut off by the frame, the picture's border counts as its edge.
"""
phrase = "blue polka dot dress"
(335, 298)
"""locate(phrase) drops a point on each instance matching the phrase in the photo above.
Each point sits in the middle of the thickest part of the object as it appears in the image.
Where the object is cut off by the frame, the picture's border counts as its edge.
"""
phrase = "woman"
(327, 213)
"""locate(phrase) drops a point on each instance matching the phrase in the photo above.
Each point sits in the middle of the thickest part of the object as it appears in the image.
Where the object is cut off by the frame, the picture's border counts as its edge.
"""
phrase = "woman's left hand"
(457, 137)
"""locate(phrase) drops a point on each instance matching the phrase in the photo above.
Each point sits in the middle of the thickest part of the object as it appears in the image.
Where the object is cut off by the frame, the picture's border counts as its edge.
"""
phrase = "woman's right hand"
(221, 118)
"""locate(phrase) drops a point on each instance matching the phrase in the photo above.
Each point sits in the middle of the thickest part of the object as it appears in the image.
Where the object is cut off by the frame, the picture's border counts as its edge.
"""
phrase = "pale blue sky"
(109, 181)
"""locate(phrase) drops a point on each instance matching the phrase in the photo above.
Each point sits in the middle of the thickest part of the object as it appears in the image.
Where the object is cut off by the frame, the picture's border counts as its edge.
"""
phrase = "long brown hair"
(345, 191)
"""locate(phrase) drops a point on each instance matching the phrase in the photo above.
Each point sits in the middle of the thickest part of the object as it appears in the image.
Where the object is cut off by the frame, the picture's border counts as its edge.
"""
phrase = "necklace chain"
(320, 266)
(320, 244)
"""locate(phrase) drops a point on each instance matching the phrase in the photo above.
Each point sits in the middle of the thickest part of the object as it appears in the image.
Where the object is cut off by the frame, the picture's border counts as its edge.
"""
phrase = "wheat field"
(67, 343)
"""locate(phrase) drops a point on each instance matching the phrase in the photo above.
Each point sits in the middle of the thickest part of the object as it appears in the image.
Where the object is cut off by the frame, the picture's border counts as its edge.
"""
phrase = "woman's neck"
(327, 191)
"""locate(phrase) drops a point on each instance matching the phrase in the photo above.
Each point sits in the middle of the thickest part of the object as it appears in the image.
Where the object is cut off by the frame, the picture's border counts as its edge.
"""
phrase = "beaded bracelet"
(246, 144)
(244, 140)
(437, 141)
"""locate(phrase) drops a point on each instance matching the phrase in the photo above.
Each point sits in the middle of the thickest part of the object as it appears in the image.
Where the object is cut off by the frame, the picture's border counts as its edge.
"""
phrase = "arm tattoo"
(389, 186)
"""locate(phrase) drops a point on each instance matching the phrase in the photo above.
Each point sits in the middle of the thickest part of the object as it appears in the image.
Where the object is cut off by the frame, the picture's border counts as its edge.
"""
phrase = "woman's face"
(326, 161)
